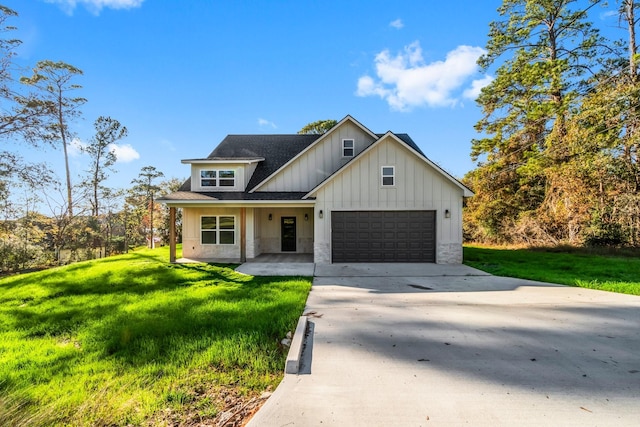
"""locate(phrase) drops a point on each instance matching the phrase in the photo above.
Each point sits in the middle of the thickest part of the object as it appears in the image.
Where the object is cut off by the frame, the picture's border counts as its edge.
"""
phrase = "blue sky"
(183, 74)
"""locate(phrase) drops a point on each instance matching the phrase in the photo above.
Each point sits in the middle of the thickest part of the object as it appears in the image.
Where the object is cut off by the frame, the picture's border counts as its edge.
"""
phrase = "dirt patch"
(220, 407)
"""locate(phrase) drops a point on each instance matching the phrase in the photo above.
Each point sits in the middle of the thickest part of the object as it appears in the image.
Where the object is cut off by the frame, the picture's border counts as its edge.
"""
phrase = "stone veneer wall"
(449, 253)
(321, 253)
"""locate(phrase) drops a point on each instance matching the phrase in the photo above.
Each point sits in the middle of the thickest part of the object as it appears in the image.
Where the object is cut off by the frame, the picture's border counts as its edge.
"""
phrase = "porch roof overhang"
(223, 160)
(236, 199)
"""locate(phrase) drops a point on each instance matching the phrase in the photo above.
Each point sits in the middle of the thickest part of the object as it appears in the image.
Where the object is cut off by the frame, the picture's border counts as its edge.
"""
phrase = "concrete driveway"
(465, 348)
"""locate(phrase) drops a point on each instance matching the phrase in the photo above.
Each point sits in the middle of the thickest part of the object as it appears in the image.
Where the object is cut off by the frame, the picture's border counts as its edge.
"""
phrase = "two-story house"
(349, 195)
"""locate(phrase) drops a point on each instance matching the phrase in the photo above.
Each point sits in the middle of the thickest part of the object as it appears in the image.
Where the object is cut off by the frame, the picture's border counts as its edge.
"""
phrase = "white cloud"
(75, 147)
(609, 14)
(95, 6)
(397, 24)
(125, 153)
(265, 122)
(406, 81)
(476, 86)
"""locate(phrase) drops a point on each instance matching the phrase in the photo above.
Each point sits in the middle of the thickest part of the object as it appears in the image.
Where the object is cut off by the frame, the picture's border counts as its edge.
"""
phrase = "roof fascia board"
(225, 161)
(316, 142)
(239, 203)
(466, 192)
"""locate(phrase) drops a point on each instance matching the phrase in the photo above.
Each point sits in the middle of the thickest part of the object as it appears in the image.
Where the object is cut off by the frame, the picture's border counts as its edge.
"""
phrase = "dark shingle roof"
(186, 186)
(276, 150)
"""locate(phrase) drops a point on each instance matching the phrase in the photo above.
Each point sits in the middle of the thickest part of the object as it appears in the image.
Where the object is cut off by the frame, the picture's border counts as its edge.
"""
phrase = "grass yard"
(134, 340)
(574, 267)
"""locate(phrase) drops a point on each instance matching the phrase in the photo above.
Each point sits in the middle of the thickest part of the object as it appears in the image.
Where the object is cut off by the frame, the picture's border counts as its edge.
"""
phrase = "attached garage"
(383, 236)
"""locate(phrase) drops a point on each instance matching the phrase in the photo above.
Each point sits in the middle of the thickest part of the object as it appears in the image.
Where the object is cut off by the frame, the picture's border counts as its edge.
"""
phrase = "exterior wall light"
(270, 217)
(447, 213)
(306, 217)
(320, 213)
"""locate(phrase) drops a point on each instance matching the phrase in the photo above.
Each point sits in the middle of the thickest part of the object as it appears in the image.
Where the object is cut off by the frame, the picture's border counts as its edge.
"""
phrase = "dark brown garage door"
(383, 236)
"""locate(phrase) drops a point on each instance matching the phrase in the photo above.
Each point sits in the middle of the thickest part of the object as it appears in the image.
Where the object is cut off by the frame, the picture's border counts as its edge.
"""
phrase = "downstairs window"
(218, 230)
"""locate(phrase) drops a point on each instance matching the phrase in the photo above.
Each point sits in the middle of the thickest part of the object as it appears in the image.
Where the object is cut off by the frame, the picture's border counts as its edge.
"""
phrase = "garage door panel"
(383, 236)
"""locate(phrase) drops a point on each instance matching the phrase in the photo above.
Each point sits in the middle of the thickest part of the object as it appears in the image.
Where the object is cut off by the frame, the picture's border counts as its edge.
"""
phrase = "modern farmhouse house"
(349, 195)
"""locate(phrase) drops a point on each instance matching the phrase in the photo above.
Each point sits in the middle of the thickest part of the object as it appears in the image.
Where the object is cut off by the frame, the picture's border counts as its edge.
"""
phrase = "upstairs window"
(217, 178)
(347, 147)
(388, 176)
(226, 178)
(218, 230)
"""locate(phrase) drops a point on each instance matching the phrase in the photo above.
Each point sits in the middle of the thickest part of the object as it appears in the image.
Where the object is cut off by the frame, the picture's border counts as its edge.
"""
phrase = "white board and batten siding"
(319, 161)
(418, 186)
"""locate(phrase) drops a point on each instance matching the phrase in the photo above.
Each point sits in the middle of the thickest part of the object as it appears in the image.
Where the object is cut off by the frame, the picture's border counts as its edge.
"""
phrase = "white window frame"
(217, 179)
(392, 176)
(352, 148)
(217, 229)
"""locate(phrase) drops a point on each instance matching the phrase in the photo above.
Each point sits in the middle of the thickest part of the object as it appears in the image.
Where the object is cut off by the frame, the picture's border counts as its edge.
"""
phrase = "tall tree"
(144, 185)
(7, 47)
(545, 49)
(54, 80)
(318, 127)
(627, 12)
(102, 157)
(605, 148)
(20, 113)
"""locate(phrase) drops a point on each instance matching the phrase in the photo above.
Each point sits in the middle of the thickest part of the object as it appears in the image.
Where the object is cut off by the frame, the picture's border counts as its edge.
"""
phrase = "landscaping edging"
(292, 365)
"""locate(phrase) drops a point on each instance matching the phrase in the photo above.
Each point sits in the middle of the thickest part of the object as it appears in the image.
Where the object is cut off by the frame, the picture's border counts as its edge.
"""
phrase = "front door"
(288, 234)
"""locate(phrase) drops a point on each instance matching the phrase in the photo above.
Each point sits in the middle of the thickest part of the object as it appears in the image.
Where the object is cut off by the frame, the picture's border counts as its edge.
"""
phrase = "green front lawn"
(615, 273)
(120, 340)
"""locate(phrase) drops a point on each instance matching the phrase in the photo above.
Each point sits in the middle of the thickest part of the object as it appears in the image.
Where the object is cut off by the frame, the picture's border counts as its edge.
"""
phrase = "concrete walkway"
(344, 272)
(460, 349)
(277, 269)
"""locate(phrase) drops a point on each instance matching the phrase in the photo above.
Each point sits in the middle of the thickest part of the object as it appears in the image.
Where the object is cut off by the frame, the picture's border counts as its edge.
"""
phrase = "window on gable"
(226, 178)
(347, 147)
(388, 176)
(218, 230)
(217, 178)
(208, 178)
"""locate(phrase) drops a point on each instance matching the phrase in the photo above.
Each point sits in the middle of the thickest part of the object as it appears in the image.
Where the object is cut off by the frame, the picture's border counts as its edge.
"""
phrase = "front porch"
(281, 264)
(264, 234)
(283, 258)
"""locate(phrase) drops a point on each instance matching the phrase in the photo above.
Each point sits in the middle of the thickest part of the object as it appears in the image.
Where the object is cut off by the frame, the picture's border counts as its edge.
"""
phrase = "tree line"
(86, 219)
(558, 159)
